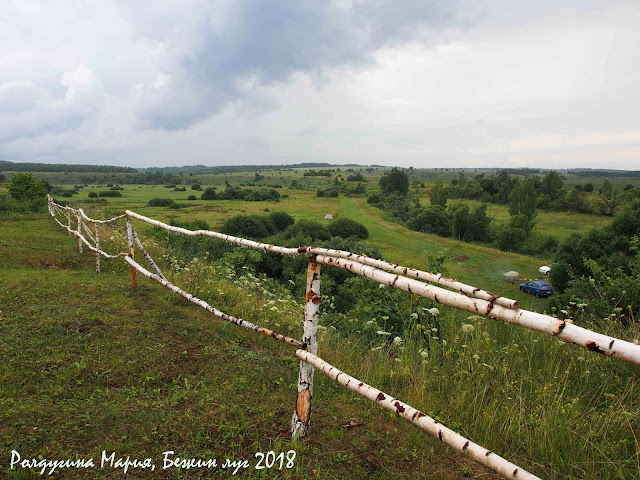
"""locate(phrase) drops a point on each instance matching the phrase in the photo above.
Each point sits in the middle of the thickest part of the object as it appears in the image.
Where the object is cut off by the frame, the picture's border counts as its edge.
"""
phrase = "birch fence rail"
(456, 294)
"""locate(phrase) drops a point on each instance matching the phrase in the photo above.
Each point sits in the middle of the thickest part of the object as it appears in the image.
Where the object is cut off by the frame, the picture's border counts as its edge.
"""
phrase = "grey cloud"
(268, 40)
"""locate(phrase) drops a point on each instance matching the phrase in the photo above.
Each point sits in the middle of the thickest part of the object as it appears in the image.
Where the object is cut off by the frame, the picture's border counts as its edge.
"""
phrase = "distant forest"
(51, 167)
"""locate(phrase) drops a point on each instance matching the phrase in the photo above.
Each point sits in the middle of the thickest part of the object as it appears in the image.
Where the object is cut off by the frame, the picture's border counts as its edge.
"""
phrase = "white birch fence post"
(80, 232)
(97, 250)
(302, 413)
(134, 278)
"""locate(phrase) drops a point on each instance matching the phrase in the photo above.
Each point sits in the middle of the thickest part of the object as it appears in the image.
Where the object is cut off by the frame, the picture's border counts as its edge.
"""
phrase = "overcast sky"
(456, 83)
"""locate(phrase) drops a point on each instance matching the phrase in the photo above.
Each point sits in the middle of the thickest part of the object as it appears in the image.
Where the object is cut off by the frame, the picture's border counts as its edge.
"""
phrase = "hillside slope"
(91, 364)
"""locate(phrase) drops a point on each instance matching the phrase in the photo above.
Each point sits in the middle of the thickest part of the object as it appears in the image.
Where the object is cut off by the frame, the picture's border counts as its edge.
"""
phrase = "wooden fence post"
(97, 250)
(80, 232)
(302, 413)
(134, 278)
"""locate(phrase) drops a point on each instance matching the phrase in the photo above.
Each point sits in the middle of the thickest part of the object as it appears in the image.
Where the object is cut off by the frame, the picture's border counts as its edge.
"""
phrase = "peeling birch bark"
(422, 275)
(421, 420)
(136, 240)
(79, 233)
(88, 233)
(220, 236)
(302, 412)
(134, 279)
(497, 308)
(101, 222)
(97, 248)
(568, 332)
(229, 318)
(84, 240)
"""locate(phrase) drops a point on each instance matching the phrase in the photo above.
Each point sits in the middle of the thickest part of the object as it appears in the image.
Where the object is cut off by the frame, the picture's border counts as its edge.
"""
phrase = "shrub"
(345, 228)
(93, 195)
(251, 226)
(308, 228)
(110, 193)
(281, 220)
(160, 202)
(209, 194)
(433, 219)
(29, 191)
(196, 186)
(191, 197)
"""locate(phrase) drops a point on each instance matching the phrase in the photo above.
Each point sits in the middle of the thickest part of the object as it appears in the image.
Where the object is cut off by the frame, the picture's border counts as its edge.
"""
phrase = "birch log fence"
(456, 294)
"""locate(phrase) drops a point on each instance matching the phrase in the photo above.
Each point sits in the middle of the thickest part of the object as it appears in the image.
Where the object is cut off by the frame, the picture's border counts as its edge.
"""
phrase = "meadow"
(95, 364)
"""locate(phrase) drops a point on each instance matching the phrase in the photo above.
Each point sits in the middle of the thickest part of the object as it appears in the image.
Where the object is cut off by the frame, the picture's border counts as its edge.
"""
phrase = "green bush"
(29, 191)
(250, 226)
(308, 228)
(191, 197)
(110, 193)
(160, 202)
(93, 195)
(345, 228)
(209, 194)
(281, 220)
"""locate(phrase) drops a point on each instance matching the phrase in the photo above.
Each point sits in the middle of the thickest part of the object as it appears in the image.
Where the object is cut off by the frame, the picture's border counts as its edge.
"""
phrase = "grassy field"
(476, 264)
(94, 364)
(91, 364)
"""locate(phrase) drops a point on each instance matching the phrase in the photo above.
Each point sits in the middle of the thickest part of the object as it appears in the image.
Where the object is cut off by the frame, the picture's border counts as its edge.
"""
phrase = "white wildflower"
(424, 354)
(467, 328)
(476, 357)
(397, 342)
(414, 315)
(434, 311)
(381, 332)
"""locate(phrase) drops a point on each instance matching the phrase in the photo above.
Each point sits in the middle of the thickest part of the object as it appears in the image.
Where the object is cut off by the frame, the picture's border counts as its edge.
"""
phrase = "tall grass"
(554, 408)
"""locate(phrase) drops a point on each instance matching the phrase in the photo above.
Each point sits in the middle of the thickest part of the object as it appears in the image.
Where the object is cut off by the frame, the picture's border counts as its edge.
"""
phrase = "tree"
(460, 220)
(281, 220)
(552, 185)
(608, 199)
(438, 194)
(209, 194)
(479, 223)
(433, 219)
(26, 189)
(510, 238)
(523, 200)
(394, 181)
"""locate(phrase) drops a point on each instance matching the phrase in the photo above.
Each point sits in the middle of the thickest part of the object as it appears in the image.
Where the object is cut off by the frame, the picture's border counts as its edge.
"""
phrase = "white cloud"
(423, 84)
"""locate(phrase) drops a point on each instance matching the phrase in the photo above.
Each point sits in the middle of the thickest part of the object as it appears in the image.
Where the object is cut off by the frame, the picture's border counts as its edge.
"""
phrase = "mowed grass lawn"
(91, 364)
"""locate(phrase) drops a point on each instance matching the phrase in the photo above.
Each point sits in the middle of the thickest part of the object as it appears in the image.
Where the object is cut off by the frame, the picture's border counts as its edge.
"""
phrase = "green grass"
(91, 364)
(94, 364)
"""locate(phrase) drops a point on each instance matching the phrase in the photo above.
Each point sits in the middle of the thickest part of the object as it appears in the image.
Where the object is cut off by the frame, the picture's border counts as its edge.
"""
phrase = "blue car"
(537, 288)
